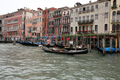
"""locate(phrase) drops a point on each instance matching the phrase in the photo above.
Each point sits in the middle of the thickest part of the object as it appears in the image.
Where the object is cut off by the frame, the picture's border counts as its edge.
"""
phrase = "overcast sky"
(8, 6)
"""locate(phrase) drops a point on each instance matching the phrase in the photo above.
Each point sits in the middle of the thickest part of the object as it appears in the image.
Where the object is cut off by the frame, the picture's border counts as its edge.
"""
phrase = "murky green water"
(31, 63)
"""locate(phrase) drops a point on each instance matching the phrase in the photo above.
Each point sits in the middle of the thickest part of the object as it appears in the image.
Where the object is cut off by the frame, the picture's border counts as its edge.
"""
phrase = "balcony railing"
(85, 32)
(85, 22)
(86, 11)
(56, 25)
(114, 6)
(12, 22)
(35, 22)
(115, 21)
(10, 30)
(65, 32)
(57, 15)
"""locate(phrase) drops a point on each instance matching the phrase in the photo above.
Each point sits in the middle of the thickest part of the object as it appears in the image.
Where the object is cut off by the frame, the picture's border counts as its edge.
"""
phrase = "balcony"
(13, 22)
(85, 32)
(86, 11)
(115, 21)
(114, 6)
(55, 25)
(57, 15)
(11, 30)
(86, 22)
(65, 32)
(35, 22)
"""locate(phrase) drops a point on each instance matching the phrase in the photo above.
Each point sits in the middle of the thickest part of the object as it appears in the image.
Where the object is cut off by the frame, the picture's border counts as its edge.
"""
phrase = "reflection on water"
(31, 63)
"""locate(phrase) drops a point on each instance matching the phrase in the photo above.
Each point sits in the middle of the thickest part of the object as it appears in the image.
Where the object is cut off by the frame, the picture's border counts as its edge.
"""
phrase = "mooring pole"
(116, 45)
(111, 45)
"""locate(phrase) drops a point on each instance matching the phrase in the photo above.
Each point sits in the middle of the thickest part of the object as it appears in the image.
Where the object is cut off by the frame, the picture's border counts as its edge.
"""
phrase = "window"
(79, 28)
(87, 18)
(71, 29)
(87, 27)
(106, 15)
(92, 27)
(106, 4)
(71, 19)
(92, 17)
(0, 29)
(96, 6)
(83, 18)
(76, 10)
(76, 19)
(76, 28)
(105, 27)
(92, 7)
(84, 9)
(79, 18)
(96, 16)
(87, 8)
(96, 27)
(71, 11)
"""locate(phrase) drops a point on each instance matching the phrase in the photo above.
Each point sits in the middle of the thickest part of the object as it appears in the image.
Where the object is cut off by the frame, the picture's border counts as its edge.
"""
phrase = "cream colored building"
(115, 16)
(93, 17)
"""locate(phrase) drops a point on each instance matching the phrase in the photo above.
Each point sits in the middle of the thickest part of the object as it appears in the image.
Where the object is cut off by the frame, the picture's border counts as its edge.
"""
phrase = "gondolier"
(71, 43)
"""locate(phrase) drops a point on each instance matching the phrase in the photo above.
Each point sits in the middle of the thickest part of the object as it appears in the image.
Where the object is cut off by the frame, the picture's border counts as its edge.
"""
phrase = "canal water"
(20, 62)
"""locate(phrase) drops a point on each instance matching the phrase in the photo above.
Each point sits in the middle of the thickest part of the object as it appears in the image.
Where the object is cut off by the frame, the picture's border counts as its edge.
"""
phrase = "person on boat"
(54, 48)
(48, 42)
(71, 43)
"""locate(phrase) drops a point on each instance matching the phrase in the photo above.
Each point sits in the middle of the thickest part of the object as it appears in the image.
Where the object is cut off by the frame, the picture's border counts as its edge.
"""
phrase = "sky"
(8, 6)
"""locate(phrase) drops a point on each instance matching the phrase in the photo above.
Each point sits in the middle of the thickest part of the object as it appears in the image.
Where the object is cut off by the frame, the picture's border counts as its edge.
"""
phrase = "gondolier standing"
(71, 43)
(48, 42)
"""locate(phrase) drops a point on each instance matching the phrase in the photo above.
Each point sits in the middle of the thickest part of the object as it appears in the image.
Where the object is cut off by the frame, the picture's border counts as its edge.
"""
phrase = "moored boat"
(70, 52)
(107, 49)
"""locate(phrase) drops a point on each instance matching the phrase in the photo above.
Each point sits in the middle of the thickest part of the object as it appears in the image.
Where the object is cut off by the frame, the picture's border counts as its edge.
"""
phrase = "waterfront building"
(58, 21)
(14, 24)
(1, 28)
(33, 26)
(115, 16)
(66, 21)
(47, 18)
(93, 17)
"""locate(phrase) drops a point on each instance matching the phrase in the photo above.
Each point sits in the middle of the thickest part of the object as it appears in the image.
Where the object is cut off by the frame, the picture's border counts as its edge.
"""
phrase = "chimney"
(90, 1)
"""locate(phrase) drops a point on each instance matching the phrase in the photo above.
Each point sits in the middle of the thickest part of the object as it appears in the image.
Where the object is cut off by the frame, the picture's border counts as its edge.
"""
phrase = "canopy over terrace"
(51, 36)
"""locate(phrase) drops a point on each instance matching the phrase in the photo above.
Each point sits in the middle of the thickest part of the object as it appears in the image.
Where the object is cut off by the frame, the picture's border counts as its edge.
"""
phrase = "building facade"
(58, 20)
(115, 16)
(33, 26)
(66, 21)
(93, 17)
(14, 24)
(1, 28)
(46, 20)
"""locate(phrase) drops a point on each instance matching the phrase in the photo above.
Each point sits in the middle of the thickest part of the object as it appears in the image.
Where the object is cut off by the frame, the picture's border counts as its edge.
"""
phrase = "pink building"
(33, 26)
(14, 24)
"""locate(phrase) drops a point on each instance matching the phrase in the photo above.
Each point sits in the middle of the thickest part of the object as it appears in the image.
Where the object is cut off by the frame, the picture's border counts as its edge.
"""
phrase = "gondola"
(70, 52)
(60, 46)
(107, 49)
(30, 43)
(71, 48)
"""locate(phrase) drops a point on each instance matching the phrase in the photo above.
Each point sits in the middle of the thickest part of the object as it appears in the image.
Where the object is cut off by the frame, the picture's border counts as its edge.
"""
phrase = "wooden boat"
(60, 46)
(70, 52)
(30, 43)
(69, 48)
(107, 49)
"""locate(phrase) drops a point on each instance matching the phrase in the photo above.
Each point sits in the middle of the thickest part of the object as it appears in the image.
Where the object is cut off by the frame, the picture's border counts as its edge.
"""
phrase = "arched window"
(118, 16)
(114, 15)
(118, 28)
(114, 2)
(113, 28)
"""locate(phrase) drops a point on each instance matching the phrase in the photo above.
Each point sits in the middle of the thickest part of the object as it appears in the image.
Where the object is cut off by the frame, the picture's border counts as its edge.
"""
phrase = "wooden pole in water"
(56, 40)
(90, 42)
(98, 41)
(115, 44)
(63, 41)
(76, 41)
(119, 43)
(103, 43)
(111, 45)
(94, 43)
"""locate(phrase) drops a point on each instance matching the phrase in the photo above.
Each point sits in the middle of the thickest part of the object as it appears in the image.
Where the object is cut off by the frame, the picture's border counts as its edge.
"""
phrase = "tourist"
(71, 43)
(48, 42)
